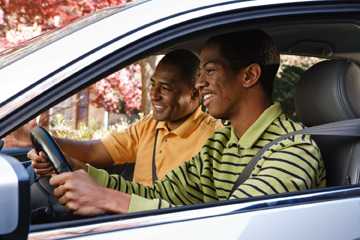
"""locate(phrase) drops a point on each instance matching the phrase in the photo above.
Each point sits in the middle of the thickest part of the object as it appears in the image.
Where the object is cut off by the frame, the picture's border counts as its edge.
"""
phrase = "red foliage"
(119, 92)
(24, 19)
(43, 12)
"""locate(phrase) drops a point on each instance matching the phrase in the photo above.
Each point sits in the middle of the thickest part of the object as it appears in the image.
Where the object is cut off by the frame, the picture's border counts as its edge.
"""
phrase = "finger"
(35, 157)
(43, 156)
(59, 179)
(40, 165)
(31, 154)
(44, 171)
(59, 192)
(72, 206)
(66, 198)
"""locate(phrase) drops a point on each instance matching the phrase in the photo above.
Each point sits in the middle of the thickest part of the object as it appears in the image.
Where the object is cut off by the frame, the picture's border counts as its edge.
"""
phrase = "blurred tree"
(21, 20)
(290, 71)
(120, 91)
(49, 14)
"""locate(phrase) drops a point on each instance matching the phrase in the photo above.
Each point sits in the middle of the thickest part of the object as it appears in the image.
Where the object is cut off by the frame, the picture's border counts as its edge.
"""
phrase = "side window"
(110, 104)
(290, 71)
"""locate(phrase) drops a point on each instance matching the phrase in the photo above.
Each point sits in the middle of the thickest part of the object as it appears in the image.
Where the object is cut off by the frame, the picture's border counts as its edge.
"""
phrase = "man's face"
(217, 84)
(170, 96)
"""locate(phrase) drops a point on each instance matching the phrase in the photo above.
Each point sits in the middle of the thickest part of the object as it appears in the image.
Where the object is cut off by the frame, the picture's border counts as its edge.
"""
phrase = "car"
(58, 64)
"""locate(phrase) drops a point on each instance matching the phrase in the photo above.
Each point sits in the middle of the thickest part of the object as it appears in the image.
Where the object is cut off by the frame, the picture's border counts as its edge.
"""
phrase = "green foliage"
(291, 69)
(284, 88)
(62, 128)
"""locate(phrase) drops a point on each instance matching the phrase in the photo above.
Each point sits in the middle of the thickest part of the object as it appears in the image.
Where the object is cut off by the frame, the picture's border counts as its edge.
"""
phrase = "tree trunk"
(147, 70)
(82, 108)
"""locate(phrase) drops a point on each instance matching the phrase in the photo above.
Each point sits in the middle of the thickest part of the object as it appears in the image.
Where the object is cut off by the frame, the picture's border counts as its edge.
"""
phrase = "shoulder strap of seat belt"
(153, 162)
(349, 128)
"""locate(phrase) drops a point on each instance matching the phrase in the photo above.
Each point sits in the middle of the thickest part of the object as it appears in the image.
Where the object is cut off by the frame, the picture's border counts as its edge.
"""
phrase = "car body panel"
(9, 187)
(238, 221)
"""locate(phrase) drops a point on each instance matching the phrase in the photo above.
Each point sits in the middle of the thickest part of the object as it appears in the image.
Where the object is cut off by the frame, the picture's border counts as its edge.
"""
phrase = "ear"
(251, 76)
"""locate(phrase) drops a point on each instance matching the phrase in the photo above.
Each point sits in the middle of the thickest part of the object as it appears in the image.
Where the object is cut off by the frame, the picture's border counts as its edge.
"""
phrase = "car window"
(110, 104)
(290, 71)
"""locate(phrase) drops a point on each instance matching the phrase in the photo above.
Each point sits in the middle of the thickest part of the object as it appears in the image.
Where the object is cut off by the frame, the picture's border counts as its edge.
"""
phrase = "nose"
(200, 81)
(155, 92)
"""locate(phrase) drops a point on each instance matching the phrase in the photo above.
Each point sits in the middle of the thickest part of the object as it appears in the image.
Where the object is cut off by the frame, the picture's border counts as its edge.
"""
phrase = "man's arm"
(77, 153)
(181, 186)
(285, 169)
(86, 195)
(122, 147)
(91, 151)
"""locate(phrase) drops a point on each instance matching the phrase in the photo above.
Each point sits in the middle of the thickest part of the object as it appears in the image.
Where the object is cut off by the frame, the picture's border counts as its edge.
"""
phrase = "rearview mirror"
(14, 199)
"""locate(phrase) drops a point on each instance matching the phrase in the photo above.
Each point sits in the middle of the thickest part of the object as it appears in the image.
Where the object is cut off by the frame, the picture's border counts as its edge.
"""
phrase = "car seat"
(330, 91)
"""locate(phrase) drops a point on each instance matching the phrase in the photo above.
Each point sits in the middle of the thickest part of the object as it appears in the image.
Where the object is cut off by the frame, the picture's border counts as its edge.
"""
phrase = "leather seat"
(328, 92)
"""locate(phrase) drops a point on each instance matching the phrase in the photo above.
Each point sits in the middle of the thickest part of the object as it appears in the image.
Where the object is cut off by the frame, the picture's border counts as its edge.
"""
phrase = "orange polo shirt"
(172, 149)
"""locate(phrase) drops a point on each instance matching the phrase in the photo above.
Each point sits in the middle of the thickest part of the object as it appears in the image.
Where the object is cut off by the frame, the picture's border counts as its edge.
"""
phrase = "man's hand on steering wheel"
(75, 190)
(40, 163)
(83, 196)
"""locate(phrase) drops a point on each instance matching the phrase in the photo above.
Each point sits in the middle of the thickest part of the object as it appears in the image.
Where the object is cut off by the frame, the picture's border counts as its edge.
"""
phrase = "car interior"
(327, 92)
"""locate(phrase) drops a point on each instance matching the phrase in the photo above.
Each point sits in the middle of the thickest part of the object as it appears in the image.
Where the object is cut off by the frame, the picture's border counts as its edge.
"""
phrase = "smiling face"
(171, 97)
(218, 84)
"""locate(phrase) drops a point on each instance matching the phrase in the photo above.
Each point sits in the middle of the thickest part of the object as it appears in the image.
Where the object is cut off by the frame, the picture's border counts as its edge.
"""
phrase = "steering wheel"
(42, 141)
(45, 207)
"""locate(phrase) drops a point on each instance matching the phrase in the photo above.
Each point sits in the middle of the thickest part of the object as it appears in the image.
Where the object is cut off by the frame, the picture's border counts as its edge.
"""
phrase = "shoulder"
(147, 122)
(221, 134)
(217, 142)
(208, 121)
(284, 125)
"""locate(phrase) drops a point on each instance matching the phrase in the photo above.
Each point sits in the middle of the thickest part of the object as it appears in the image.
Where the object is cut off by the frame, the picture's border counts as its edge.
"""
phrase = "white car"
(59, 64)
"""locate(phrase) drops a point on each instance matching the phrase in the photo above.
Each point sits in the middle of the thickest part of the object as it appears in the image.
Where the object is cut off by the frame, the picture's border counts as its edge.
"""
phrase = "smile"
(158, 107)
(207, 98)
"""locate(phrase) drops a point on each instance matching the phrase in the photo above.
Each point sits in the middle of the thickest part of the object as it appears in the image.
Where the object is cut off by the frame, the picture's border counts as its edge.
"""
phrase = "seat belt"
(350, 128)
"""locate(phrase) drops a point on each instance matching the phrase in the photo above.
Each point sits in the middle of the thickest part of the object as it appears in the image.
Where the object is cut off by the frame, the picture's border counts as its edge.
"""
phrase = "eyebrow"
(213, 61)
(162, 82)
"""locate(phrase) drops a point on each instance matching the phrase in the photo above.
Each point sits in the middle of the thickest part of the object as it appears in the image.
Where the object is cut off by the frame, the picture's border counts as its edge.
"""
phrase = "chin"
(218, 114)
(215, 114)
(159, 117)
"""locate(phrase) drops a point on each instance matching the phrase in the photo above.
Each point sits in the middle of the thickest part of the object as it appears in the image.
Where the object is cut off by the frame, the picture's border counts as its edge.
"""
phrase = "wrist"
(115, 201)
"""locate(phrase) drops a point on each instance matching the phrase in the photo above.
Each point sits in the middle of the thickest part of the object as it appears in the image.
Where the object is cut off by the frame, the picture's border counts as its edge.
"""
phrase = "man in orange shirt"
(149, 142)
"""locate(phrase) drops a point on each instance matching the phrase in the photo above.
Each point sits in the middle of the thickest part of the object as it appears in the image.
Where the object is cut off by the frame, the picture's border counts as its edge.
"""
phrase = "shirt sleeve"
(293, 168)
(122, 146)
(179, 187)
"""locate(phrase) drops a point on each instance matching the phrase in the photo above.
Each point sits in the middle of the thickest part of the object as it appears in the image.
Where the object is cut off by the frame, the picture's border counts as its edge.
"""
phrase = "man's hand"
(81, 194)
(40, 163)
(21, 136)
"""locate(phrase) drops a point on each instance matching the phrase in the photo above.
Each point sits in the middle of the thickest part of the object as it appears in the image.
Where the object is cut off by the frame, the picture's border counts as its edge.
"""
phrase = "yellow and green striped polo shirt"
(291, 165)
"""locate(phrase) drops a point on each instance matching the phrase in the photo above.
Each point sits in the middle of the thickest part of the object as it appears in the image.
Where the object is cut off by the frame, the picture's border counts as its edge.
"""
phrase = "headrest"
(329, 91)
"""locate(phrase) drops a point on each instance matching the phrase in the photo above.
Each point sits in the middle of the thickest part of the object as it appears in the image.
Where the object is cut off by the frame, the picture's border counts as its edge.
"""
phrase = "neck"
(172, 125)
(248, 112)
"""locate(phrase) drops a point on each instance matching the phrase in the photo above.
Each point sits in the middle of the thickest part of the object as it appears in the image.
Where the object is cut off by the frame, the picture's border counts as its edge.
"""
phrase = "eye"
(152, 83)
(166, 88)
(210, 71)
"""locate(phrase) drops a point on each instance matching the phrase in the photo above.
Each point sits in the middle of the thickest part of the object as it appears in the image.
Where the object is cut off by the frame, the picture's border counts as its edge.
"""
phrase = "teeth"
(158, 107)
(206, 96)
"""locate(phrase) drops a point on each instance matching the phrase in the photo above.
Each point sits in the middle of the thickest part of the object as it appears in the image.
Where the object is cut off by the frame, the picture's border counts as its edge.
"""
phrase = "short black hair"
(186, 61)
(246, 47)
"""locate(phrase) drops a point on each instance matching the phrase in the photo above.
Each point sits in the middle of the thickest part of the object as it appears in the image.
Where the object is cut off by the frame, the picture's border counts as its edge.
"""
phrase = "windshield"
(12, 54)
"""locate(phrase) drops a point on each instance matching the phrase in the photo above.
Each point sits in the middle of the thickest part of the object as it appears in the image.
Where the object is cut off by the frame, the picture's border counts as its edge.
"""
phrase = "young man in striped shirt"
(236, 76)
